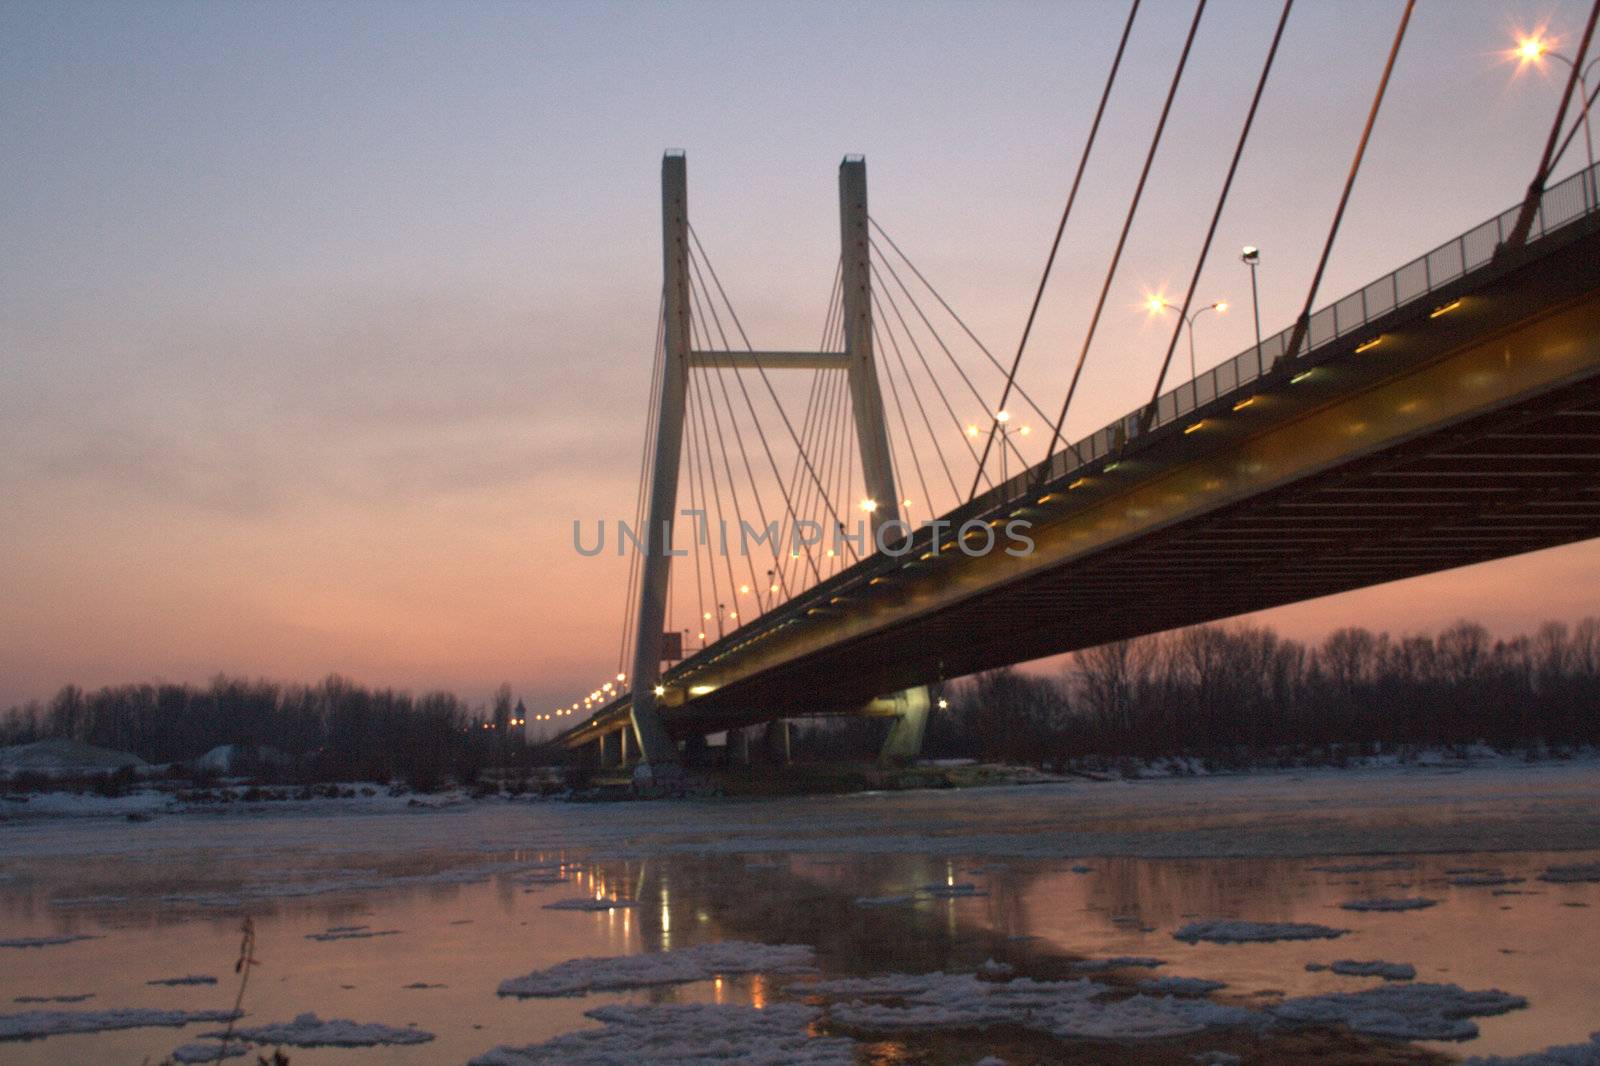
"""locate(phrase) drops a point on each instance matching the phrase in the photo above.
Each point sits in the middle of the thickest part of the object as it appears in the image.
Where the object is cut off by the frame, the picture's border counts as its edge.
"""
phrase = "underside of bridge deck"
(1454, 434)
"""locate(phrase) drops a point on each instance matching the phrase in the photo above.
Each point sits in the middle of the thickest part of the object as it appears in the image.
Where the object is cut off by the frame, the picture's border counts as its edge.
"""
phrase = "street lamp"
(1250, 256)
(1002, 424)
(1156, 305)
(1532, 50)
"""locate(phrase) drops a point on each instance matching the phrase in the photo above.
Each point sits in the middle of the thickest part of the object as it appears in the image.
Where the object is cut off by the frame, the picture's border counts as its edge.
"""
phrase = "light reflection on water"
(469, 937)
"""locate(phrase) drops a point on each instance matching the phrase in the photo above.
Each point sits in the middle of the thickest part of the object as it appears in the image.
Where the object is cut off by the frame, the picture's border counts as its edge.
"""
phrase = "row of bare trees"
(1233, 692)
(333, 730)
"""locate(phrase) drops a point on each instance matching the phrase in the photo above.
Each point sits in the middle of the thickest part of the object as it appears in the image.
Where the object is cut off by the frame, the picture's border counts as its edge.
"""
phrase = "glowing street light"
(1002, 424)
(1158, 304)
(1534, 49)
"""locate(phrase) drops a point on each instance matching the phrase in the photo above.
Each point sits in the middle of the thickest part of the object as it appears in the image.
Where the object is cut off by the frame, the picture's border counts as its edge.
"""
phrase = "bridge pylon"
(858, 359)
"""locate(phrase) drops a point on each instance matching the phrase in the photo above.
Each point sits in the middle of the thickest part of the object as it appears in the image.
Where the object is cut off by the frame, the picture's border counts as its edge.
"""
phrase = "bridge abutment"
(909, 709)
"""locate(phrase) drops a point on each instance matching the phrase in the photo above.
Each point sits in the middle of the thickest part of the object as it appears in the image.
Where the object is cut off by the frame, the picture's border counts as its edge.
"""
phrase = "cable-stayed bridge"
(1448, 413)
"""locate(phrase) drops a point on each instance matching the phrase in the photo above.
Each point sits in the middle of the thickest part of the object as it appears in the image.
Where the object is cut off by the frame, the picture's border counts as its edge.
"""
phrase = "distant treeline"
(1225, 693)
(1236, 692)
(335, 730)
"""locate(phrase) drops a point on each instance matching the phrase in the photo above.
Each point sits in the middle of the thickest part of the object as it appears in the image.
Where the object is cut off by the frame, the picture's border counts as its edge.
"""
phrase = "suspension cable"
(910, 337)
(1122, 240)
(1302, 324)
(1055, 245)
(951, 311)
(788, 425)
(1216, 216)
(916, 397)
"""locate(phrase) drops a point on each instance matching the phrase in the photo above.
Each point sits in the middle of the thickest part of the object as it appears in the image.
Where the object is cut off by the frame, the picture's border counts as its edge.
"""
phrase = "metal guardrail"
(1562, 203)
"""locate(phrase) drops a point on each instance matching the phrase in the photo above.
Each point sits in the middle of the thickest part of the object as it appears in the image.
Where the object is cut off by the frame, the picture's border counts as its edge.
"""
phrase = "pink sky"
(320, 324)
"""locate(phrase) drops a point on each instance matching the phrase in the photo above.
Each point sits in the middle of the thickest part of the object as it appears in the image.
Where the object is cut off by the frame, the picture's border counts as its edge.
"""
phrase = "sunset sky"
(320, 323)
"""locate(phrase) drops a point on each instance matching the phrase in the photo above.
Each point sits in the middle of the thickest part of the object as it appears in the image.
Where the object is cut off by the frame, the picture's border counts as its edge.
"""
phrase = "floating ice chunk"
(699, 963)
(33, 1024)
(423, 984)
(583, 903)
(1389, 971)
(205, 1051)
(991, 1060)
(1179, 986)
(1572, 872)
(697, 1034)
(1236, 931)
(1118, 962)
(882, 901)
(1564, 1055)
(887, 985)
(1068, 1009)
(1216, 1058)
(992, 968)
(45, 941)
(1083, 869)
(186, 979)
(77, 998)
(944, 891)
(1470, 880)
(350, 933)
(307, 1030)
(1365, 867)
(1402, 1012)
(1389, 903)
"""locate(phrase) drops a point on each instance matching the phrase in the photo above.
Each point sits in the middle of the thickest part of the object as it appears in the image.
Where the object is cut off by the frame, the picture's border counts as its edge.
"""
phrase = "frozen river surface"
(1408, 915)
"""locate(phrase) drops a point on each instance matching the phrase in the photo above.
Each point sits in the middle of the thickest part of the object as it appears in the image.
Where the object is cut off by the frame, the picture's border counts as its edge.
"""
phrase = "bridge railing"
(1562, 203)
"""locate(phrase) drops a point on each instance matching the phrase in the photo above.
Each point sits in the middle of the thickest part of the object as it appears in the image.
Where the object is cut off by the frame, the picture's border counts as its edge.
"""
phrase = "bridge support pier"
(910, 712)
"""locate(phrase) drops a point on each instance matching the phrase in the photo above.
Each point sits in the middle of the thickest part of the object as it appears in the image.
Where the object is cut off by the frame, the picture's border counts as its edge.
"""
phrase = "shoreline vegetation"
(1209, 699)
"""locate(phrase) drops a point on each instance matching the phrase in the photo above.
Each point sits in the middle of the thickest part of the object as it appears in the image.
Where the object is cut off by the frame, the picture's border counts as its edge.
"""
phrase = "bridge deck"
(1461, 436)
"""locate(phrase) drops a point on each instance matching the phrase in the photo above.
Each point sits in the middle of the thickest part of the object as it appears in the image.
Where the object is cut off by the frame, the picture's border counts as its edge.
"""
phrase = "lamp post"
(1002, 424)
(1251, 257)
(1533, 49)
(1156, 305)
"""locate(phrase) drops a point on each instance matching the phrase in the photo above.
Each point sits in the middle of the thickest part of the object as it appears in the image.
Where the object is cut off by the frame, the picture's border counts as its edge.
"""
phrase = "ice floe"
(1587, 1054)
(1472, 880)
(1389, 903)
(1071, 1009)
(1401, 1011)
(1117, 962)
(350, 932)
(33, 1024)
(1571, 873)
(308, 1030)
(186, 979)
(45, 941)
(699, 963)
(697, 1034)
(1179, 986)
(946, 891)
(75, 998)
(881, 901)
(1389, 971)
(1237, 931)
(206, 1051)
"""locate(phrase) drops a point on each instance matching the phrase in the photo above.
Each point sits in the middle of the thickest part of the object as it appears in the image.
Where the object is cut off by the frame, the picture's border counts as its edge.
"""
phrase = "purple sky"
(320, 323)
